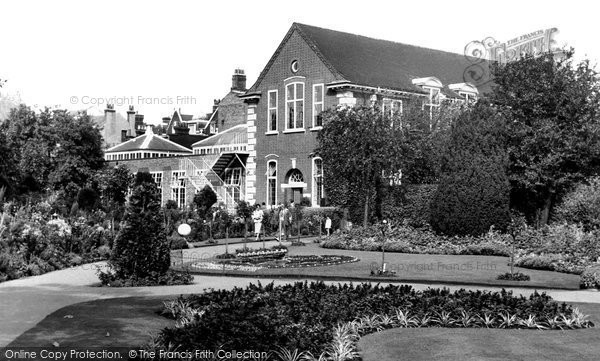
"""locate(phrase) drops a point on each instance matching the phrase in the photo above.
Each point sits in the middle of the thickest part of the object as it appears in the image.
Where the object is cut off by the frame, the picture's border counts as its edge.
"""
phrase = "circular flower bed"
(253, 264)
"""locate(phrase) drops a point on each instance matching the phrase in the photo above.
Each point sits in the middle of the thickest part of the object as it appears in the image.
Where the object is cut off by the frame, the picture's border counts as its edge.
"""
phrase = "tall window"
(272, 183)
(317, 192)
(178, 187)
(433, 101)
(318, 104)
(272, 116)
(157, 177)
(232, 179)
(294, 115)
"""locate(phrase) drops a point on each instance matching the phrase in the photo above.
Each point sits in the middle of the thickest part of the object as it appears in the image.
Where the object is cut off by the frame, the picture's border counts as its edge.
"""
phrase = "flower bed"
(252, 264)
(560, 248)
(319, 318)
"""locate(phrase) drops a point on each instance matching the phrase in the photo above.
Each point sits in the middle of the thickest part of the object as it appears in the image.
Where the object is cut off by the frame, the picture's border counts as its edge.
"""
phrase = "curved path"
(25, 302)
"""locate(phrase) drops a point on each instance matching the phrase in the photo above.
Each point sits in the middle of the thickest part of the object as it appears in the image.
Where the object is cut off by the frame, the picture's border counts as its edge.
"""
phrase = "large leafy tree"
(473, 193)
(552, 104)
(52, 149)
(359, 147)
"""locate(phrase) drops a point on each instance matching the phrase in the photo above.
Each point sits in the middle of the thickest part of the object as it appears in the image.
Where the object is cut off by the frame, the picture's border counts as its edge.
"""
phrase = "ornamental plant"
(474, 193)
(141, 248)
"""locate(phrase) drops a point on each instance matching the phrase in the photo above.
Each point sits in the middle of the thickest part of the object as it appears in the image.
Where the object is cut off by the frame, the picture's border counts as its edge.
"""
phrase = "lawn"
(128, 323)
(439, 269)
(484, 344)
(115, 322)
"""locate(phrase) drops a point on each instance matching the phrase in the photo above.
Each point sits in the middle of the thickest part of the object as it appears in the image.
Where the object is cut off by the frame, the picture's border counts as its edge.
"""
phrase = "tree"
(473, 193)
(141, 249)
(114, 184)
(204, 200)
(582, 205)
(551, 105)
(50, 150)
(358, 145)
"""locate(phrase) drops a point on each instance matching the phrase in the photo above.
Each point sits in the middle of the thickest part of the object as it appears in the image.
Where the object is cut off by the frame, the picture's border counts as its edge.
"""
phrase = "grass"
(438, 269)
(129, 321)
(485, 344)
(115, 322)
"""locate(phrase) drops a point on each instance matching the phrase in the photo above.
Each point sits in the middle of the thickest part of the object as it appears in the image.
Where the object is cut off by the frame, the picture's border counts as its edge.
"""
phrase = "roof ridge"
(378, 39)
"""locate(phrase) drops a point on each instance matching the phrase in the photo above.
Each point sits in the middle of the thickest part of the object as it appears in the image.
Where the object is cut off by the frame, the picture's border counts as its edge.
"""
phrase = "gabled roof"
(378, 63)
(149, 141)
(234, 135)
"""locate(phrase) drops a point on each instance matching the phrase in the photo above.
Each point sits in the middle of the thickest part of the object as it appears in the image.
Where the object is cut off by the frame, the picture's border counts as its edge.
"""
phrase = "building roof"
(380, 63)
(186, 140)
(149, 141)
(234, 135)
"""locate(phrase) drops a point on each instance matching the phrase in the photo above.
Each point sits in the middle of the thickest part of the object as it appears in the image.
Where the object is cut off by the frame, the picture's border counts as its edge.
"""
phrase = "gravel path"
(25, 302)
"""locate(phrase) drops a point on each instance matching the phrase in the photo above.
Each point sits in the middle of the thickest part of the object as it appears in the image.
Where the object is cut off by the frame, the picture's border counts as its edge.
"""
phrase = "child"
(328, 225)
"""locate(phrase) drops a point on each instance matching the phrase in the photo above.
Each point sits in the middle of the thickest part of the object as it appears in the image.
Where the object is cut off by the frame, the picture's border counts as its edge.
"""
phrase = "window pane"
(272, 99)
(273, 119)
(318, 117)
(300, 111)
(290, 92)
(291, 118)
(300, 91)
(319, 93)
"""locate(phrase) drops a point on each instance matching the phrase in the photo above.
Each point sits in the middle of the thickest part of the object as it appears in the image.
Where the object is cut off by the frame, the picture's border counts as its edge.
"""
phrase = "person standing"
(285, 220)
(328, 225)
(257, 217)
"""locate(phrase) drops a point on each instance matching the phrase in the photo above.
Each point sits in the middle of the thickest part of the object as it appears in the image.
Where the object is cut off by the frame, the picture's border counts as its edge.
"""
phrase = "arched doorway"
(294, 186)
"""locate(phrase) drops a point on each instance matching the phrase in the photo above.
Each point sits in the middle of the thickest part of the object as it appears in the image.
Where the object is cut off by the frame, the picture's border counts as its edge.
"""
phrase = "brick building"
(263, 150)
(314, 69)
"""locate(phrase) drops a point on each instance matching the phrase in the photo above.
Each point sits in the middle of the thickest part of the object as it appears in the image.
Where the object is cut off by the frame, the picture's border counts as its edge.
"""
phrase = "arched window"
(317, 184)
(272, 182)
(295, 177)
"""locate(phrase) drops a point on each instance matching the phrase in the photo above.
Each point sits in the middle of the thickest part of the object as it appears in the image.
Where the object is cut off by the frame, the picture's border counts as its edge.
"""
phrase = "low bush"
(581, 205)
(305, 316)
(169, 278)
(177, 242)
(560, 247)
(407, 239)
(518, 276)
(590, 278)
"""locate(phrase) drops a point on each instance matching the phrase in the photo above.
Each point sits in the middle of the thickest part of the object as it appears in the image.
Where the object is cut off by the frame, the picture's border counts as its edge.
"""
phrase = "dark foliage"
(473, 194)
(141, 247)
(302, 315)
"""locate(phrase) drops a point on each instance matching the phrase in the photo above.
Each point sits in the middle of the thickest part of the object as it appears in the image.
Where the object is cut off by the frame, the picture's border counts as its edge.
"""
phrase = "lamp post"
(184, 230)
(383, 227)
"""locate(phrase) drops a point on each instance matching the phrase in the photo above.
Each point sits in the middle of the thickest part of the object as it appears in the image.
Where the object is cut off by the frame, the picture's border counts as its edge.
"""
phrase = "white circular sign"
(184, 229)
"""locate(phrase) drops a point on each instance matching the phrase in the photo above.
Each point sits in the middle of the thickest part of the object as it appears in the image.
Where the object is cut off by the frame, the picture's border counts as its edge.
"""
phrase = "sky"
(161, 56)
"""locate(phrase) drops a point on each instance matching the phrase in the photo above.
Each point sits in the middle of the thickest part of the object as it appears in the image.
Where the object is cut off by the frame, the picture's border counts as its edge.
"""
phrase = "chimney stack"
(131, 121)
(139, 124)
(215, 104)
(166, 120)
(110, 126)
(238, 80)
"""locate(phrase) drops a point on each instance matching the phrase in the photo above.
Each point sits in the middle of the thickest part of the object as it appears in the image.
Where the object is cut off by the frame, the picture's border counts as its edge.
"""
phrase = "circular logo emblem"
(294, 66)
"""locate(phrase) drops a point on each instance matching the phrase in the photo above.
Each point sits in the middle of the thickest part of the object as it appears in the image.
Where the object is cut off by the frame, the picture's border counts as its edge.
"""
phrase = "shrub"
(590, 278)
(518, 276)
(303, 316)
(141, 247)
(474, 191)
(582, 205)
(407, 239)
(177, 242)
(414, 207)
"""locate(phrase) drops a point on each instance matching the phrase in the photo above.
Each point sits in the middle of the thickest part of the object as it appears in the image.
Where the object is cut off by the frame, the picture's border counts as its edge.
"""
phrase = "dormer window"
(432, 86)
(467, 91)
